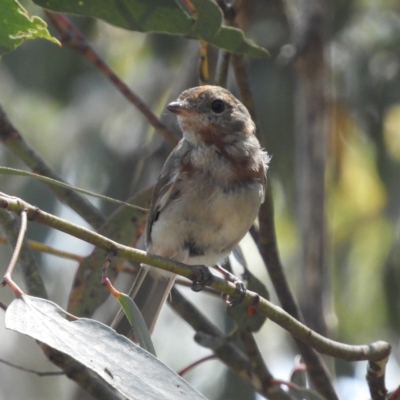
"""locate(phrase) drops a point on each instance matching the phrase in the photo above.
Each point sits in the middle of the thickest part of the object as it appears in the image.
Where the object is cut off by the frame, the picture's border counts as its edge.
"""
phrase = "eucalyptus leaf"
(163, 16)
(137, 321)
(132, 371)
(16, 26)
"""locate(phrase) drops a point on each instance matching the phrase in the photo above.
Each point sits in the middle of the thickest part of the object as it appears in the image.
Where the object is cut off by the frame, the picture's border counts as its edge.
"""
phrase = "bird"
(208, 193)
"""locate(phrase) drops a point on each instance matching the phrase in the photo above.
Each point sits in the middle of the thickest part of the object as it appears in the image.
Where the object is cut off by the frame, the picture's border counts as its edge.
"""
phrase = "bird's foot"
(240, 287)
(203, 277)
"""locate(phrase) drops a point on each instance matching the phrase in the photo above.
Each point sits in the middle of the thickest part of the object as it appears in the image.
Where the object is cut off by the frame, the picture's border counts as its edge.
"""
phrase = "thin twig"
(395, 394)
(74, 38)
(196, 363)
(376, 351)
(258, 365)
(223, 70)
(32, 371)
(7, 278)
(242, 80)
(204, 74)
(104, 278)
(44, 248)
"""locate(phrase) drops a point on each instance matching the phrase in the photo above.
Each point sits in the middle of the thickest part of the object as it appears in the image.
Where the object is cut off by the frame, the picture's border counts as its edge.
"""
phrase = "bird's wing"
(164, 190)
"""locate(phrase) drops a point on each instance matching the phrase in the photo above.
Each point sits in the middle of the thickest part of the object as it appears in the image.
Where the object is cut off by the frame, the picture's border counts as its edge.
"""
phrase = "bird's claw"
(203, 278)
(239, 297)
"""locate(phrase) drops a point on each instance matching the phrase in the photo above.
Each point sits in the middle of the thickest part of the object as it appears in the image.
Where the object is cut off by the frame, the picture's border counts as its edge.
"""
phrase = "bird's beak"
(177, 107)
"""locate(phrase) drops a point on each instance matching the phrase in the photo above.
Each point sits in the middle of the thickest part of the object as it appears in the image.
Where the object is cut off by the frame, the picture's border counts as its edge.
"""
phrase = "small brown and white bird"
(209, 191)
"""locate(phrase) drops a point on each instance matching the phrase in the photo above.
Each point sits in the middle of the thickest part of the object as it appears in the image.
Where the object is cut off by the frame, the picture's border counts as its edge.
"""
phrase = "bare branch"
(74, 38)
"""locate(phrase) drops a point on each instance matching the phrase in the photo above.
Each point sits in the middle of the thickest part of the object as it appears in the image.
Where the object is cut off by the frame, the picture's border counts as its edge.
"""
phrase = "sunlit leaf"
(132, 371)
(16, 26)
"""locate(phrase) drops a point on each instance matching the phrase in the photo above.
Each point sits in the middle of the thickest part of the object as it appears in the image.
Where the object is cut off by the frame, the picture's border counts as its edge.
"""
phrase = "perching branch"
(376, 351)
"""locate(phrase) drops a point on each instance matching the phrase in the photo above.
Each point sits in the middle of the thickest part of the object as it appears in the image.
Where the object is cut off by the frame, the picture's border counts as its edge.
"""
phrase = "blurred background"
(76, 120)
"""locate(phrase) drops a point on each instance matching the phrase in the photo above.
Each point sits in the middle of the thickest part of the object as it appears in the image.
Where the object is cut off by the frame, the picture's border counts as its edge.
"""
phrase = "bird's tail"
(149, 292)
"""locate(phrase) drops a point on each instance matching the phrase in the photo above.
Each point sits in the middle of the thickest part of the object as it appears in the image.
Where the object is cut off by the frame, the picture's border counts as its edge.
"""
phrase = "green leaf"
(233, 40)
(209, 19)
(137, 321)
(16, 26)
(125, 226)
(163, 16)
(132, 371)
(209, 28)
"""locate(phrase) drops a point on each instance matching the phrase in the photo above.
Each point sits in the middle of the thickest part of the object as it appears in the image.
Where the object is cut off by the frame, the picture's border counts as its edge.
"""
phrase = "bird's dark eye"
(218, 106)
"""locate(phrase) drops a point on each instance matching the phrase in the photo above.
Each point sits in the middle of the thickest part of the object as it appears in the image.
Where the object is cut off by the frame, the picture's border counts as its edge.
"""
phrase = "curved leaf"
(163, 16)
(16, 26)
(209, 28)
(132, 371)
(136, 320)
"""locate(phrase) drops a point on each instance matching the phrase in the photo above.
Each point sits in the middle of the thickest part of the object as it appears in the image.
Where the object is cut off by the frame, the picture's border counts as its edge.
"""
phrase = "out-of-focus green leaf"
(209, 28)
(209, 19)
(132, 371)
(137, 321)
(164, 16)
(125, 226)
(16, 26)
(247, 317)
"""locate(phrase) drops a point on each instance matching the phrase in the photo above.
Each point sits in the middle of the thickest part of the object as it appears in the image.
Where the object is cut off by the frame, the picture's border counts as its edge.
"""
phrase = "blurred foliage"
(86, 130)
